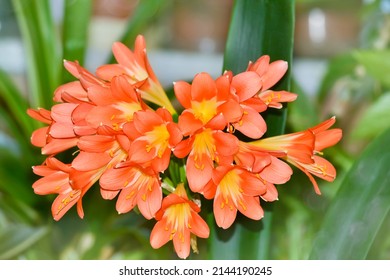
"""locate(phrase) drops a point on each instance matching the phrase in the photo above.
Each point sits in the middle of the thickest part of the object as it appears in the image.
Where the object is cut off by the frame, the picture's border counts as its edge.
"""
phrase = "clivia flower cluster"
(127, 136)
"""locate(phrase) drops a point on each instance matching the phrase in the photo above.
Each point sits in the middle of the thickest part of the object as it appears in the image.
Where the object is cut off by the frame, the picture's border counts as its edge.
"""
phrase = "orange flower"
(265, 165)
(179, 221)
(244, 88)
(235, 189)
(203, 101)
(138, 185)
(158, 135)
(136, 68)
(113, 105)
(59, 135)
(55, 180)
(302, 148)
(204, 149)
(202, 120)
(270, 74)
(126, 145)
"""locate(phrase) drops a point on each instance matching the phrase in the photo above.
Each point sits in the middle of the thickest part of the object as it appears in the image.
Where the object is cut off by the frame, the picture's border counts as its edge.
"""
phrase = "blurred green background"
(341, 67)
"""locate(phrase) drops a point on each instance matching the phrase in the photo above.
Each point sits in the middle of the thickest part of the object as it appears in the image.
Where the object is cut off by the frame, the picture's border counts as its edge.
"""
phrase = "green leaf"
(13, 101)
(257, 28)
(338, 67)
(43, 53)
(77, 17)
(376, 63)
(359, 207)
(375, 119)
(15, 176)
(18, 238)
(302, 113)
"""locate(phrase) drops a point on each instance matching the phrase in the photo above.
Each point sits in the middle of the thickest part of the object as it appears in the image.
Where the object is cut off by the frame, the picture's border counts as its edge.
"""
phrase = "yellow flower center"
(177, 219)
(158, 138)
(230, 189)
(128, 110)
(204, 110)
(204, 144)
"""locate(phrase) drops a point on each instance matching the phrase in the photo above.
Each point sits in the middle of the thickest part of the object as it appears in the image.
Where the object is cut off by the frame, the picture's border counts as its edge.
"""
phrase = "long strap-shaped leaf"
(359, 208)
(77, 15)
(257, 27)
(43, 52)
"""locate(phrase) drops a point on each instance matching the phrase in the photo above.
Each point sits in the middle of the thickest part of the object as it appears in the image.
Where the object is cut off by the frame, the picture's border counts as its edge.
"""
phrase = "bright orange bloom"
(179, 221)
(121, 141)
(100, 103)
(270, 74)
(138, 186)
(244, 88)
(205, 102)
(58, 136)
(157, 136)
(235, 189)
(302, 148)
(266, 166)
(55, 180)
(204, 149)
(136, 68)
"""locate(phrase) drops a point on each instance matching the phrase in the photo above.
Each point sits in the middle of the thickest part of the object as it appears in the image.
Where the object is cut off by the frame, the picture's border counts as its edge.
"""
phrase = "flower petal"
(224, 216)
(63, 203)
(246, 84)
(181, 243)
(90, 161)
(252, 124)
(160, 235)
(39, 136)
(127, 200)
(183, 93)
(198, 177)
(203, 87)
(278, 172)
(149, 199)
(198, 226)
(275, 72)
(271, 193)
(251, 208)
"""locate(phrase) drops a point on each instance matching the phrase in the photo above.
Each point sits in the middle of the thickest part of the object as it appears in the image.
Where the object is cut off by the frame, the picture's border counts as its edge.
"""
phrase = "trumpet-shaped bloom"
(136, 68)
(203, 101)
(235, 189)
(138, 186)
(55, 180)
(302, 148)
(204, 149)
(244, 88)
(178, 219)
(157, 136)
(115, 106)
(270, 74)
(58, 136)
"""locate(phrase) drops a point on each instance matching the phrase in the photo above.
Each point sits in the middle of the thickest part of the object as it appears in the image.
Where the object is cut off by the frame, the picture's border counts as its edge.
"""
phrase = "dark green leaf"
(257, 28)
(43, 53)
(75, 31)
(375, 120)
(12, 100)
(376, 63)
(359, 208)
